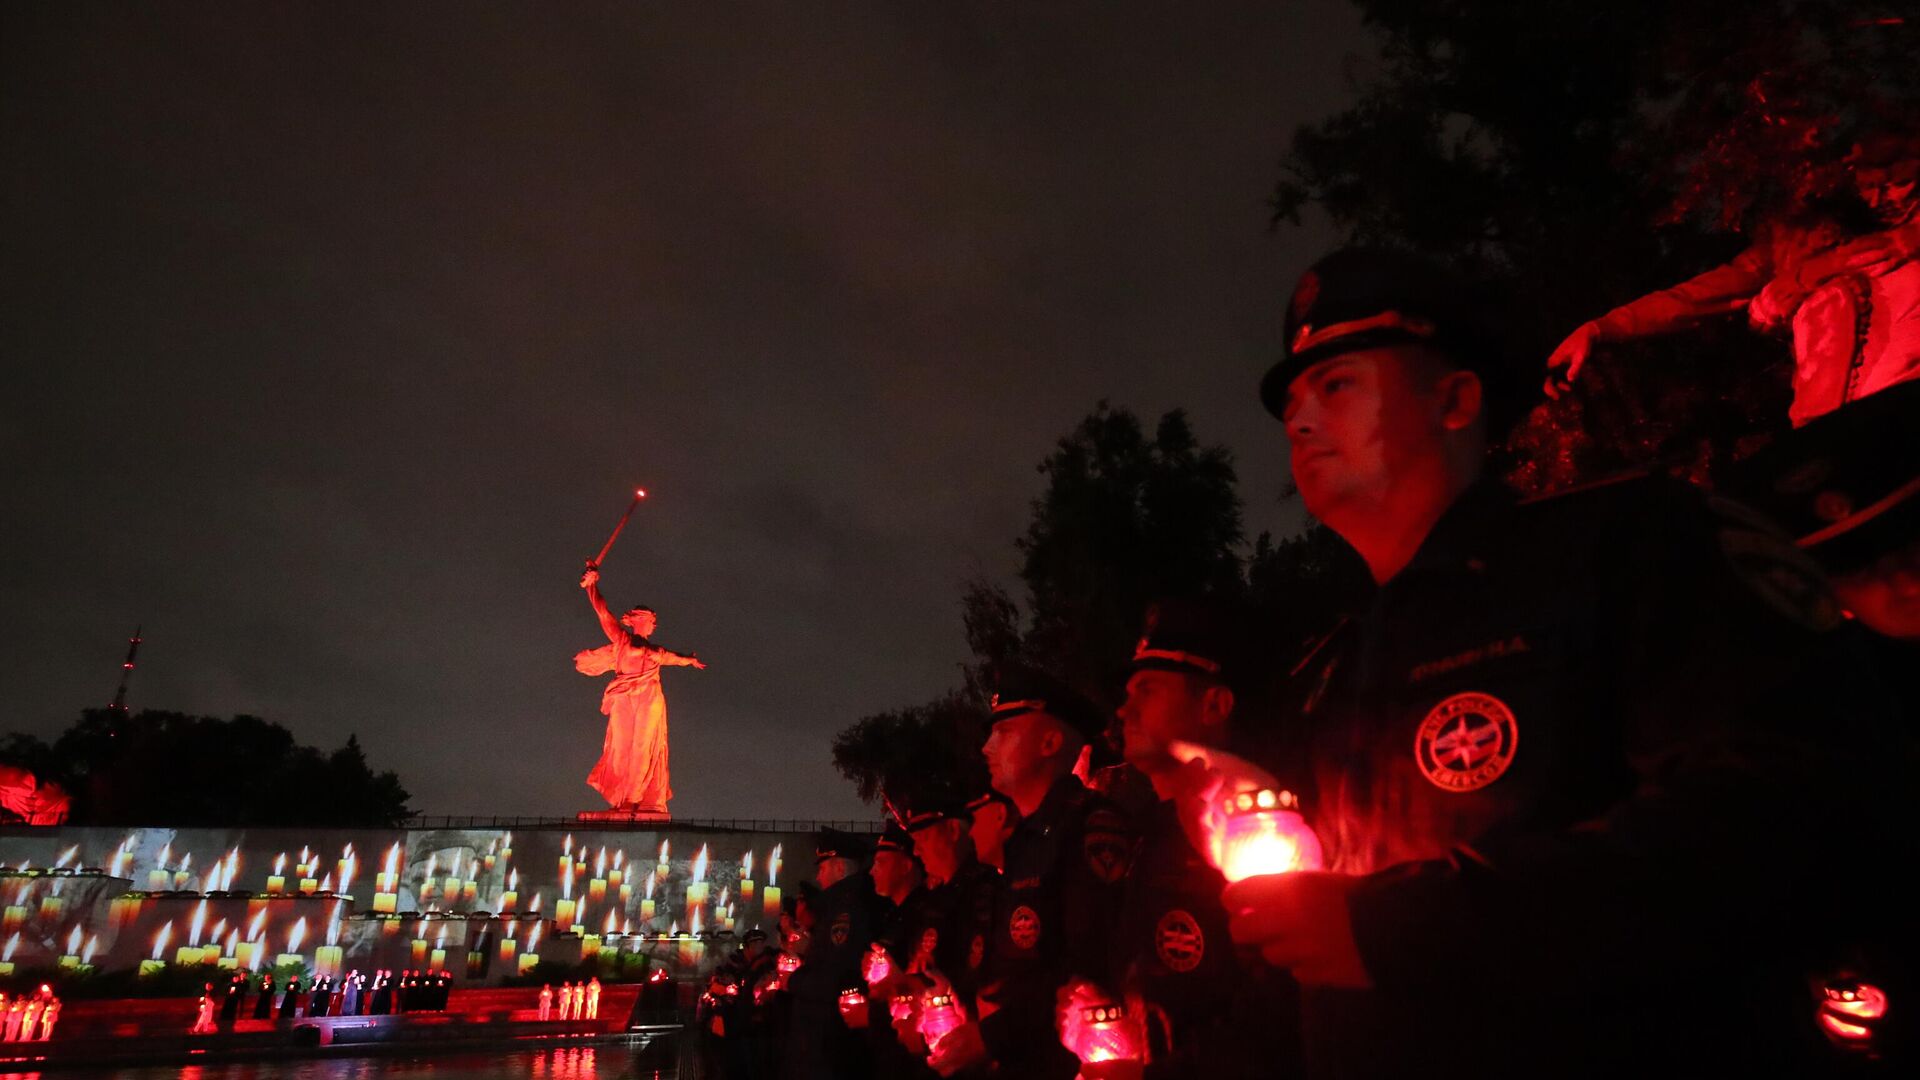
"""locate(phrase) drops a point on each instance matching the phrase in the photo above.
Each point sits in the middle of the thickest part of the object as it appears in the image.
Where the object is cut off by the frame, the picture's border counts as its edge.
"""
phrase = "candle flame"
(696, 921)
(67, 856)
(166, 852)
(639, 493)
(73, 941)
(393, 858)
(535, 908)
(619, 858)
(746, 864)
(258, 925)
(649, 886)
(440, 939)
(306, 854)
(232, 868)
(566, 883)
(233, 941)
(723, 896)
(513, 880)
(297, 935)
(12, 944)
(333, 923)
(212, 880)
(700, 864)
(613, 918)
(199, 923)
(326, 883)
(93, 946)
(219, 930)
(600, 863)
(511, 927)
(568, 850)
(663, 852)
(280, 864)
(533, 937)
(773, 865)
(160, 940)
(433, 863)
(626, 926)
(118, 868)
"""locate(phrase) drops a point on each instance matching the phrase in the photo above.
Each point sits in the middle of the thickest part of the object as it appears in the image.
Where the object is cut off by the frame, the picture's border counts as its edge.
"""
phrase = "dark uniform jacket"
(1171, 947)
(821, 1043)
(898, 928)
(1575, 749)
(1053, 917)
(961, 927)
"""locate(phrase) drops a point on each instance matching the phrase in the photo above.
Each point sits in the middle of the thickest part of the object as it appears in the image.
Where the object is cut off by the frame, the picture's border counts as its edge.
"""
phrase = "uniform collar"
(1465, 531)
(1064, 792)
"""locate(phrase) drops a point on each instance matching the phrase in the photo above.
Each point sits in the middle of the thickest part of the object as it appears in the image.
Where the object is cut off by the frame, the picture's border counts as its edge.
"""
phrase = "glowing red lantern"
(1263, 833)
(853, 1008)
(938, 1017)
(1849, 1012)
(877, 965)
(1108, 1038)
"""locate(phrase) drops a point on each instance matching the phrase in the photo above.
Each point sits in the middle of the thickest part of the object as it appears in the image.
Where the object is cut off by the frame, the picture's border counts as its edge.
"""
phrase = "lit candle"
(746, 879)
(486, 861)
(618, 874)
(438, 962)
(277, 881)
(343, 870)
(1263, 833)
(183, 874)
(512, 896)
(385, 903)
(589, 946)
(770, 898)
(661, 870)
(158, 880)
(470, 891)
(566, 857)
(528, 961)
(52, 907)
(507, 947)
(308, 886)
(596, 889)
(646, 902)
(326, 958)
(563, 914)
(244, 954)
(419, 952)
(1104, 1036)
(531, 957)
(295, 938)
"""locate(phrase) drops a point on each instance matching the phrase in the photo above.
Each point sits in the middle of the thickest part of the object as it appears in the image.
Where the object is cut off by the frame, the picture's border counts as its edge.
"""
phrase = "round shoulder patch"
(1179, 941)
(1023, 927)
(1466, 742)
(842, 926)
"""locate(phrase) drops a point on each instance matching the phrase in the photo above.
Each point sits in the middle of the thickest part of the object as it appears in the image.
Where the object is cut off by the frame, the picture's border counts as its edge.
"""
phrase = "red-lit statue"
(1850, 298)
(632, 771)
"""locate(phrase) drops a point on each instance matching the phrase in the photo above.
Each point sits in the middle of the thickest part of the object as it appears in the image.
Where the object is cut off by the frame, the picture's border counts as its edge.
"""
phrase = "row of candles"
(312, 879)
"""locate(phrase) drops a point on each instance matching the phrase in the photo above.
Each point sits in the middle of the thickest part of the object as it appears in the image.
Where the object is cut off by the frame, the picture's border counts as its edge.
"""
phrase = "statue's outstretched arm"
(1722, 290)
(669, 658)
(590, 581)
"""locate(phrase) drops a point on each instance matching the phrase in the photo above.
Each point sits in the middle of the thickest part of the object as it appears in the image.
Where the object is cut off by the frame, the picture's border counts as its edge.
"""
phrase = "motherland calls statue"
(632, 772)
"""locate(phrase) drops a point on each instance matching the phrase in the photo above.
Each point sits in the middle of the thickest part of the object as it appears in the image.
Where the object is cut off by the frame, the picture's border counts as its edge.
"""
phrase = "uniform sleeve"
(1744, 718)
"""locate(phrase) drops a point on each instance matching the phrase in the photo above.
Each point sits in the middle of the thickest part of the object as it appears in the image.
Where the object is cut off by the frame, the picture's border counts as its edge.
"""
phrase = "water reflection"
(565, 1063)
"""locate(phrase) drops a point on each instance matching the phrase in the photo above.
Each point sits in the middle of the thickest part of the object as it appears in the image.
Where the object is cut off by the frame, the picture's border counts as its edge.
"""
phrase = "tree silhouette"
(1574, 156)
(168, 768)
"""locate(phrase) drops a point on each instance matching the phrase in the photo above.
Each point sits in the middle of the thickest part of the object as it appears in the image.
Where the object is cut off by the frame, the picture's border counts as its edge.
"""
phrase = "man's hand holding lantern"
(1277, 898)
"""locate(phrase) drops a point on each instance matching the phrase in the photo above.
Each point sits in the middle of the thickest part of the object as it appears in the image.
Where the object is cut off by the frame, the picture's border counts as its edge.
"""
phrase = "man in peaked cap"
(1565, 746)
(990, 822)
(1171, 945)
(821, 1045)
(961, 925)
(1054, 908)
(903, 912)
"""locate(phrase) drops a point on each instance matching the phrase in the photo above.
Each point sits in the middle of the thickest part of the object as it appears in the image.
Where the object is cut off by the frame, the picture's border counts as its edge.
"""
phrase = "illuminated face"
(1016, 751)
(1356, 424)
(1888, 190)
(991, 826)
(938, 848)
(640, 621)
(1161, 706)
(892, 872)
(1885, 596)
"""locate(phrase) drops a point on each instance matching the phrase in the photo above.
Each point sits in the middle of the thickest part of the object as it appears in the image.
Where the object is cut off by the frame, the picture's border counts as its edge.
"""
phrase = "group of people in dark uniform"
(328, 995)
(1609, 782)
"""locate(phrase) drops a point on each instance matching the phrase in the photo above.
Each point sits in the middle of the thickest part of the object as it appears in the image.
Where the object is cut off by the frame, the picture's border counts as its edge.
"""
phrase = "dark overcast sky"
(334, 341)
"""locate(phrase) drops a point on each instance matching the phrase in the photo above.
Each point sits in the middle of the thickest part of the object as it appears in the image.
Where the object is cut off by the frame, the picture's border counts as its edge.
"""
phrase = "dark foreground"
(602, 1062)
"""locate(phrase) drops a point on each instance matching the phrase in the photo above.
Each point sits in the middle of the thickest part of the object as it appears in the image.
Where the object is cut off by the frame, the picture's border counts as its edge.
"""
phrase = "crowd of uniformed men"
(1608, 782)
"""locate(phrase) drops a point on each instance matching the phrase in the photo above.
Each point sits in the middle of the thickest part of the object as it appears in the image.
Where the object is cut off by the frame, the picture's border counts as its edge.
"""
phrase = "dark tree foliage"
(1126, 518)
(1577, 155)
(168, 768)
(906, 755)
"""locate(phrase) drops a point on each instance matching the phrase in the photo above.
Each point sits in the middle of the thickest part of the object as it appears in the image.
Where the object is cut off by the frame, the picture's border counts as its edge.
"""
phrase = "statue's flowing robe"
(632, 771)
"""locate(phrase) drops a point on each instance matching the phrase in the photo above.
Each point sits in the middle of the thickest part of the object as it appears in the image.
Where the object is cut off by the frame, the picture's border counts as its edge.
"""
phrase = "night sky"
(336, 339)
